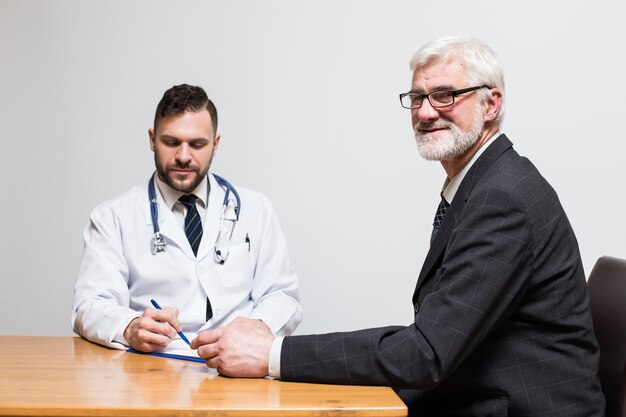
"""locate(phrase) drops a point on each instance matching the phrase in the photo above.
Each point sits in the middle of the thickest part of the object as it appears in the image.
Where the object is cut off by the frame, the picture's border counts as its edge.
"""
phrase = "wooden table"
(68, 376)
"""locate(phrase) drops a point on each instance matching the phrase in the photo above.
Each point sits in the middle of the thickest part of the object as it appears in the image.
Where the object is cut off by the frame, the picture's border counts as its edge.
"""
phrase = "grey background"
(309, 115)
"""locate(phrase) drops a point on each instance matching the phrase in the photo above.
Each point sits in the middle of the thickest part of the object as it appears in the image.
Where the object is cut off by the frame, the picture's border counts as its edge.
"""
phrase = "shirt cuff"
(274, 360)
(119, 336)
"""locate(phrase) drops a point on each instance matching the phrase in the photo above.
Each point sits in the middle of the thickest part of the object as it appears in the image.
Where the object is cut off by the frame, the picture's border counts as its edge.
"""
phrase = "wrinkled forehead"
(439, 75)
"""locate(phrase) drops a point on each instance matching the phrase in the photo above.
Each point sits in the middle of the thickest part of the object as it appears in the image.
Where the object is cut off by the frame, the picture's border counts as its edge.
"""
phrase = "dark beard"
(166, 178)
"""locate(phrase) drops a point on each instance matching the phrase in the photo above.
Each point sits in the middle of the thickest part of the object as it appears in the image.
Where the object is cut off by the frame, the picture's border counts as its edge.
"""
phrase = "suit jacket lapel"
(482, 164)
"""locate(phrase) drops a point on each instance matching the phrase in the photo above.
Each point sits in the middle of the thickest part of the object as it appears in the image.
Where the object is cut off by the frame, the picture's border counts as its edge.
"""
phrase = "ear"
(492, 105)
(152, 136)
(216, 142)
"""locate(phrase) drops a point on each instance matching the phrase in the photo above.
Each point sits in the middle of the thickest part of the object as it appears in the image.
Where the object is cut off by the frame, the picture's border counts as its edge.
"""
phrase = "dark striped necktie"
(441, 213)
(193, 231)
(193, 222)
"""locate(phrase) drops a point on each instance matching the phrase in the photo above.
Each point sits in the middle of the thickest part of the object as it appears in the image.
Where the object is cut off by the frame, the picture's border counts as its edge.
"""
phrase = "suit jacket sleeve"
(479, 282)
(480, 279)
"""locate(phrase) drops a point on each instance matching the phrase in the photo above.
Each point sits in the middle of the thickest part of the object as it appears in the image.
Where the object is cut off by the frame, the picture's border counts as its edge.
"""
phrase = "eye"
(198, 144)
(170, 143)
(441, 97)
(416, 98)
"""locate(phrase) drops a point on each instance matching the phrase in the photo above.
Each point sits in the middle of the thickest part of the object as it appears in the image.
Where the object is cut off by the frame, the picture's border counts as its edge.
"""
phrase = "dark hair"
(183, 98)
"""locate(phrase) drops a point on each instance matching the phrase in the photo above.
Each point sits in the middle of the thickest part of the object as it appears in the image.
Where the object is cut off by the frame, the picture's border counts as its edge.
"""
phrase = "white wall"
(308, 98)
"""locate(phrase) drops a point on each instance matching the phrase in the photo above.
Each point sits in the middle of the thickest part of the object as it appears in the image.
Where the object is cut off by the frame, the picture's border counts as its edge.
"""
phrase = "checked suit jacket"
(502, 323)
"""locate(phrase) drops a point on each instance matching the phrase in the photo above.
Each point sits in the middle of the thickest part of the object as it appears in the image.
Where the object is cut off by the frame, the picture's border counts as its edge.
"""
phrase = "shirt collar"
(451, 186)
(171, 195)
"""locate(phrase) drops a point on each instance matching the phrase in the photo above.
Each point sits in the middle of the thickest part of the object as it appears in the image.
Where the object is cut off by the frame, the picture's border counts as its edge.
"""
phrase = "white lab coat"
(119, 275)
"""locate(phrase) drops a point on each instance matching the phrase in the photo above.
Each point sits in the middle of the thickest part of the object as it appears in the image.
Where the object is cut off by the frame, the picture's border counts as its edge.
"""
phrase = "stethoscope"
(228, 217)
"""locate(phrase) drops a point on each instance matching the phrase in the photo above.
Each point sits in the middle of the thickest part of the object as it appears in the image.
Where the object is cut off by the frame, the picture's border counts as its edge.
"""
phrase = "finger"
(205, 338)
(138, 334)
(152, 336)
(215, 362)
(173, 318)
(166, 314)
(210, 351)
(162, 322)
(156, 326)
(145, 341)
(148, 347)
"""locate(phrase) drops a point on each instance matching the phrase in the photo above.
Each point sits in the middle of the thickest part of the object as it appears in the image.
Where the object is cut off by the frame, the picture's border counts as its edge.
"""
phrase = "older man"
(502, 324)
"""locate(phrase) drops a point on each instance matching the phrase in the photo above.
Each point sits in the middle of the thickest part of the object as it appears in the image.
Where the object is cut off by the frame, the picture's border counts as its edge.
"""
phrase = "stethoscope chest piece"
(157, 243)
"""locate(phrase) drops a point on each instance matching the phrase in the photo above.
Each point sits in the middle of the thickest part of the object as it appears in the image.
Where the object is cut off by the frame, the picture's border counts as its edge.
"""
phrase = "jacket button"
(416, 306)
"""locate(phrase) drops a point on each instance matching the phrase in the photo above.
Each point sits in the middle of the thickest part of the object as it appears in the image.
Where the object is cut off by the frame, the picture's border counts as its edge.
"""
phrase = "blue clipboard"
(168, 355)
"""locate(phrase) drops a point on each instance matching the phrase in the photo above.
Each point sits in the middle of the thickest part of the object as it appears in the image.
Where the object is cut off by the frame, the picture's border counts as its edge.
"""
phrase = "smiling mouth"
(431, 130)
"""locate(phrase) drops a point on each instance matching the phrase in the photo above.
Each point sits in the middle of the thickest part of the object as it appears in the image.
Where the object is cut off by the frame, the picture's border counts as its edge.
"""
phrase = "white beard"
(448, 144)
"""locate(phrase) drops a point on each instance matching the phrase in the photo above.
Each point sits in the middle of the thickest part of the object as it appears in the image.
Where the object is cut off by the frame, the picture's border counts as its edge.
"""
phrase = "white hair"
(483, 65)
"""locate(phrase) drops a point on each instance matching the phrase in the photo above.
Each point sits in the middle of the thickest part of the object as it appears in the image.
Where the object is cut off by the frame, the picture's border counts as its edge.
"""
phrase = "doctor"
(205, 263)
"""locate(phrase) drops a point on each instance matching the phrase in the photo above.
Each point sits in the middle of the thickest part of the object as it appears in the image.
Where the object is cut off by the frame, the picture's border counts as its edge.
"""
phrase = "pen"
(181, 334)
(248, 241)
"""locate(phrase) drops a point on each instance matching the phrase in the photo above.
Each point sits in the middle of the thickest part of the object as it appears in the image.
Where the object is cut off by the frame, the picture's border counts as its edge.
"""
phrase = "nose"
(183, 156)
(426, 113)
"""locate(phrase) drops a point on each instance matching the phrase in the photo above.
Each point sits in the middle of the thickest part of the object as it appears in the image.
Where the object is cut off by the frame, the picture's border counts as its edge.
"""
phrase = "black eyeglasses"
(437, 99)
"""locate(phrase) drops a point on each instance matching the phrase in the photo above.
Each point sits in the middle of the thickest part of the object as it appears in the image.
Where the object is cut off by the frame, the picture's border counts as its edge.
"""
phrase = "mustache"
(439, 124)
(188, 165)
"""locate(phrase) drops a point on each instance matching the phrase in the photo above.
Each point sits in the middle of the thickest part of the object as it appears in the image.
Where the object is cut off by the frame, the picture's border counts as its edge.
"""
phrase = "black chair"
(607, 290)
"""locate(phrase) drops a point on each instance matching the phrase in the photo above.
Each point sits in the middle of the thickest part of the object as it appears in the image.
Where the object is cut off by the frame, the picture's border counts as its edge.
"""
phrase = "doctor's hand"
(240, 349)
(153, 330)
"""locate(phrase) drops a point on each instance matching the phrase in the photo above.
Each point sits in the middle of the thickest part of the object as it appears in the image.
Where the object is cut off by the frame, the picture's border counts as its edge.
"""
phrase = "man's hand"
(241, 349)
(153, 330)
